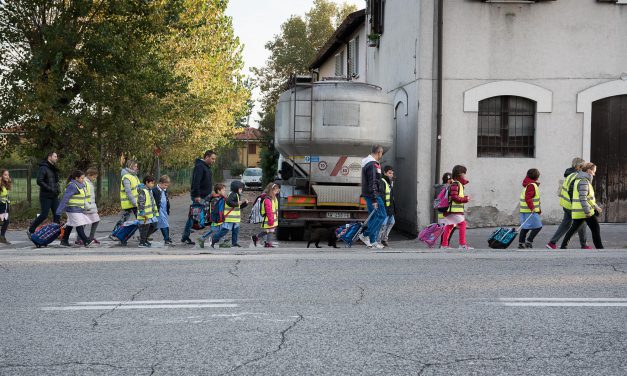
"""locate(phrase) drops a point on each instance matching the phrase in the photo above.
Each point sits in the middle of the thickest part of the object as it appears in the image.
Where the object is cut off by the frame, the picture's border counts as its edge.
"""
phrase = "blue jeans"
(374, 224)
(166, 233)
(386, 227)
(212, 230)
(226, 227)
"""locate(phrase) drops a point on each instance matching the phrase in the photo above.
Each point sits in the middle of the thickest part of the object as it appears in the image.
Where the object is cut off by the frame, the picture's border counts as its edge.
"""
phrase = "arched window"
(506, 127)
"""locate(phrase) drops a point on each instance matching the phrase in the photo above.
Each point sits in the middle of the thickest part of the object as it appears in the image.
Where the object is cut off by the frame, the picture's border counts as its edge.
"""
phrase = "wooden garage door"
(609, 153)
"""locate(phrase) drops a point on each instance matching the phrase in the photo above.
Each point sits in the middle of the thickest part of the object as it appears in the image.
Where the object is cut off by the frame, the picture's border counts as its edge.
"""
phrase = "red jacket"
(454, 193)
(530, 192)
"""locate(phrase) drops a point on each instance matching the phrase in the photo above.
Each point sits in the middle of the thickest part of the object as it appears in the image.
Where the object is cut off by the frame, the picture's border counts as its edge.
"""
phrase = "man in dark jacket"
(371, 192)
(48, 182)
(200, 189)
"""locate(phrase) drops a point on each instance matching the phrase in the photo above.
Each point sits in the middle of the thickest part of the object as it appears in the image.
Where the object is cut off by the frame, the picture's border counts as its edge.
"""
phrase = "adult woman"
(584, 206)
(5, 203)
(73, 203)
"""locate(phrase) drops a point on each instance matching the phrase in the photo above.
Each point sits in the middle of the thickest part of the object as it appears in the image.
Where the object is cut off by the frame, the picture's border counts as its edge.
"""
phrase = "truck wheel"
(282, 233)
(298, 234)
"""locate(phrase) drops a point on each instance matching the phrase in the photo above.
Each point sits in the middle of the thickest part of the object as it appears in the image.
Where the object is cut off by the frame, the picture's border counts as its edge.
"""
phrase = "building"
(248, 144)
(499, 86)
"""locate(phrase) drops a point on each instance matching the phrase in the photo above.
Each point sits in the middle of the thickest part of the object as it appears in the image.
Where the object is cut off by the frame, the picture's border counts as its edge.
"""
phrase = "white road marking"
(139, 302)
(563, 302)
(138, 306)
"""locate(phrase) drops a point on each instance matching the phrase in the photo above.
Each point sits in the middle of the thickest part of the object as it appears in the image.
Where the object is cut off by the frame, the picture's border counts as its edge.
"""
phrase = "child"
(455, 214)
(91, 210)
(5, 203)
(390, 207)
(530, 205)
(219, 192)
(73, 203)
(147, 211)
(232, 215)
(162, 201)
(447, 179)
(270, 212)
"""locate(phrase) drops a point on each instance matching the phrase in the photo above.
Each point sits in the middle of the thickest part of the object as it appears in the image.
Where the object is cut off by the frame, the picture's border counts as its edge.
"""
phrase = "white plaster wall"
(562, 46)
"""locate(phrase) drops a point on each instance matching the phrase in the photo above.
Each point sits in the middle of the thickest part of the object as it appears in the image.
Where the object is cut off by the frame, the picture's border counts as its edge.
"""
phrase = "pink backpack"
(441, 202)
(431, 234)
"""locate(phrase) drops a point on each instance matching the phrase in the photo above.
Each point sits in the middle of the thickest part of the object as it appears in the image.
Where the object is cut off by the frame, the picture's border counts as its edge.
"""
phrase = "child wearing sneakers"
(148, 212)
(454, 217)
(270, 213)
(530, 209)
(232, 215)
(219, 193)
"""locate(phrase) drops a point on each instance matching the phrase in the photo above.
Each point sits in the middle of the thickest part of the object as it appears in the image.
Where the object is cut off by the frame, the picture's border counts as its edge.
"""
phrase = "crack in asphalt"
(613, 266)
(280, 347)
(94, 322)
(233, 271)
(360, 299)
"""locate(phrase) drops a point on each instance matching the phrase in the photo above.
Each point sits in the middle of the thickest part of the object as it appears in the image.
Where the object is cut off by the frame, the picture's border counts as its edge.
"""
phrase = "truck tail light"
(290, 215)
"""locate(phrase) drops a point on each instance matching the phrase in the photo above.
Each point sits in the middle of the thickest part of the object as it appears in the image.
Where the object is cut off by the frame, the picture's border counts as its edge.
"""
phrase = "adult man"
(200, 189)
(371, 192)
(48, 182)
(566, 202)
(390, 205)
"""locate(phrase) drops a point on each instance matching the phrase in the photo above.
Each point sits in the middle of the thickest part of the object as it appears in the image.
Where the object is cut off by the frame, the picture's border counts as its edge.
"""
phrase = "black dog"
(323, 233)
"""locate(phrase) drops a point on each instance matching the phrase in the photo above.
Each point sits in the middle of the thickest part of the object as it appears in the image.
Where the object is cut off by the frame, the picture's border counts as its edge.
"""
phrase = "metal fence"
(25, 188)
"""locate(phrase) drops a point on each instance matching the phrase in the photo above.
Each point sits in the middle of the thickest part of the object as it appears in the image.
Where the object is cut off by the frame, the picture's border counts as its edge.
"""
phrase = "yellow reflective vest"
(388, 193)
(458, 207)
(78, 199)
(4, 196)
(232, 214)
(275, 211)
(150, 207)
(577, 208)
(524, 208)
(124, 200)
(564, 195)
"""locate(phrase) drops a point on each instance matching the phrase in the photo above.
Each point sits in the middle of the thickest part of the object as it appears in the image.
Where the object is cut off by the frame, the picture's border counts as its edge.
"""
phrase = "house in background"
(499, 86)
(248, 144)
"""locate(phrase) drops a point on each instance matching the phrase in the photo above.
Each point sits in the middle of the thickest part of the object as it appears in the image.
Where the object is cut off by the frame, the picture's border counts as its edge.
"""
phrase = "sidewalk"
(614, 235)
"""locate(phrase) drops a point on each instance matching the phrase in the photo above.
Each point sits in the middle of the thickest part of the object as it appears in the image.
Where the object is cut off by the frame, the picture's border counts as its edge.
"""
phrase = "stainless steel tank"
(333, 118)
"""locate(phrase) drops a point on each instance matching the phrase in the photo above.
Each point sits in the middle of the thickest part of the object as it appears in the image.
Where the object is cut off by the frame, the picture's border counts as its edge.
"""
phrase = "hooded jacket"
(454, 193)
(370, 177)
(201, 180)
(48, 179)
(583, 189)
(530, 192)
(232, 200)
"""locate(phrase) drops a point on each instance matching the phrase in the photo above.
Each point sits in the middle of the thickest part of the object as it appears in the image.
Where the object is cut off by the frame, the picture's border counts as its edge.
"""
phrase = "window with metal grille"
(506, 127)
(353, 58)
(339, 64)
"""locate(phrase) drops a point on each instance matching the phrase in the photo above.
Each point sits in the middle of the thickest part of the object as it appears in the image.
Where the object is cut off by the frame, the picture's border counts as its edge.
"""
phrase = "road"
(293, 311)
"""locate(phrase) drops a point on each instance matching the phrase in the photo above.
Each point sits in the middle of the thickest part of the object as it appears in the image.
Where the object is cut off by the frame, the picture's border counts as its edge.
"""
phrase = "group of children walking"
(576, 198)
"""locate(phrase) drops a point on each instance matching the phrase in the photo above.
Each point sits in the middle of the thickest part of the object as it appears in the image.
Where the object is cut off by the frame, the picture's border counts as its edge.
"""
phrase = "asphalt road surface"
(116, 311)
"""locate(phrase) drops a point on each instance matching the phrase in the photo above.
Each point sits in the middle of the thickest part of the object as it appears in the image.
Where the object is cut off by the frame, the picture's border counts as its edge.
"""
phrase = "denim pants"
(46, 203)
(226, 227)
(374, 224)
(386, 227)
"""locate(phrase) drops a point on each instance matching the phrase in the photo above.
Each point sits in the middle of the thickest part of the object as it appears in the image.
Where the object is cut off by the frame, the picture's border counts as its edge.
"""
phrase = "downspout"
(438, 142)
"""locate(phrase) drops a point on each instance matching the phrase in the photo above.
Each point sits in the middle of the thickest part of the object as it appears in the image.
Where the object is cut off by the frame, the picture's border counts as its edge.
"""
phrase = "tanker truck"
(323, 130)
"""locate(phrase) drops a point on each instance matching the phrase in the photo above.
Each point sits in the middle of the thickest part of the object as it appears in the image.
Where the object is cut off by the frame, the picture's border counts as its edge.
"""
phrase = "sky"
(258, 21)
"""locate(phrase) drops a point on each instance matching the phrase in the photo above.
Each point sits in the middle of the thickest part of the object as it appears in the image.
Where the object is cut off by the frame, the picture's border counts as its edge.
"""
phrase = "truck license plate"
(338, 215)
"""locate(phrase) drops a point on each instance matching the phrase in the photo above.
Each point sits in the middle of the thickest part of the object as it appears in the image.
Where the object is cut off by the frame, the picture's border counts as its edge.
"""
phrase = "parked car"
(252, 177)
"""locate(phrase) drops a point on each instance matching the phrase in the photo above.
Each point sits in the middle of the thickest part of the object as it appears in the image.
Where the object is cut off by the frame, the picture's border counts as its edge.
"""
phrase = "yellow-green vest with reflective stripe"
(275, 210)
(388, 193)
(150, 208)
(524, 208)
(577, 208)
(88, 192)
(457, 207)
(78, 199)
(124, 200)
(564, 195)
(232, 214)
(4, 196)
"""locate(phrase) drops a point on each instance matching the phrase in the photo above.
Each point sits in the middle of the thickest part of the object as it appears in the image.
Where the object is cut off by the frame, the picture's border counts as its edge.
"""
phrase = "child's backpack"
(46, 234)
(255, 212)
(442, 201)
(216, 209)
(431, 234)
(124, 231)
(197, 214)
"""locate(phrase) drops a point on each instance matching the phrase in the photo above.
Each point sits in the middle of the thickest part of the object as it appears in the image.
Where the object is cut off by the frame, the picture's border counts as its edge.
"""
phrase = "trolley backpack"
(431, 234)
(46, 234)
(442, 201)
(255, 212)
(124, 231)
(502, 237)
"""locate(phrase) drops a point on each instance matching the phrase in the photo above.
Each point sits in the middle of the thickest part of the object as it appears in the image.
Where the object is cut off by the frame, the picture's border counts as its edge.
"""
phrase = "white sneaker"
(465, 247)
(365, 240)
(378, 246)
